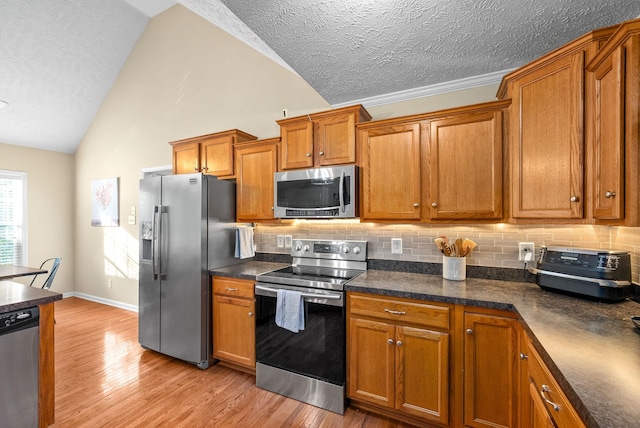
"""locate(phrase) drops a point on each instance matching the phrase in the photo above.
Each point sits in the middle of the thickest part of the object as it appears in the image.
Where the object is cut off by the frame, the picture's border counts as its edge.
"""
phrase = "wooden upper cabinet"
(615, 119)
(390, 173)
(547, 142)
(465, 159)
(321, 139)
(210, 154)
(256, 162)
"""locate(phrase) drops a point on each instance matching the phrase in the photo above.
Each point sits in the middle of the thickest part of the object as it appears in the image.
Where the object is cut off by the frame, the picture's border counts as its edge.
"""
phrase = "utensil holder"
(454, 268)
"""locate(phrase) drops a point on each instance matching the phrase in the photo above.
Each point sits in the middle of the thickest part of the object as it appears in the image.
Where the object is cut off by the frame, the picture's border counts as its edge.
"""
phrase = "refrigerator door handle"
(162, 247)
(155, 241)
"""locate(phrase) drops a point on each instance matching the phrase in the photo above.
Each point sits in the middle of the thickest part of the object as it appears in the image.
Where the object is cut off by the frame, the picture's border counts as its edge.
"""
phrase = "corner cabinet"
(210, 154)
(234, 323)
(321, 139)
(615, 119)
(256, 162)
(398, 357)
(545, 404)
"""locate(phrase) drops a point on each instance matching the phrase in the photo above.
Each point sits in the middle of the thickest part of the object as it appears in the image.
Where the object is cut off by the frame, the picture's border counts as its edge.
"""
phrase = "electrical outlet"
(525, 251)
(109, 282)
(287, 241)
(280, 241)
(396, 245)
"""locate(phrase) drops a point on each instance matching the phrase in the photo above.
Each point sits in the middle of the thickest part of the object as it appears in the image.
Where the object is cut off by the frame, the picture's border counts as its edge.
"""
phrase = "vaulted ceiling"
(59, 58)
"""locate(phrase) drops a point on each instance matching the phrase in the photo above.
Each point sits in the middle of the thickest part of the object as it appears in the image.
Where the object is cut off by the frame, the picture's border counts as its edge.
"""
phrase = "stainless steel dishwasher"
(19, 344)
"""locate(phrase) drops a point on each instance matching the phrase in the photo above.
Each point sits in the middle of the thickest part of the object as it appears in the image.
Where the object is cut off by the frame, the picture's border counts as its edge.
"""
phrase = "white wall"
(50, 202)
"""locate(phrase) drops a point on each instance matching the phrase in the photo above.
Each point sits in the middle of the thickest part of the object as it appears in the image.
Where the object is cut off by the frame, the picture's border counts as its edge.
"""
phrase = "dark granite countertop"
(15, 296)
(592, 348)
(247, 270)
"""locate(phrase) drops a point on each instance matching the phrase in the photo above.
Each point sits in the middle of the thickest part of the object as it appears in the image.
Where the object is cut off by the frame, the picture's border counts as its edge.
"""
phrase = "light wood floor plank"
(105, 379)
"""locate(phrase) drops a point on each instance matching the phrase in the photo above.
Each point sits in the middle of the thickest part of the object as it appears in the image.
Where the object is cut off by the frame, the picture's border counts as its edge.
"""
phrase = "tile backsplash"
(497, 243)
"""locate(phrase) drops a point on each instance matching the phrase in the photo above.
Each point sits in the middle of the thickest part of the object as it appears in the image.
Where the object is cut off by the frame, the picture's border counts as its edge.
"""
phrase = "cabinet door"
(335, 140)
(234, 330)
(297, 145)
(539, 417)
(490, 371)
(608, 190)
(255, 166)
(371, 370)
(216, 156)
(391, 172)
(547, 141)
(466, 167)
(422, 367)
(186, 158)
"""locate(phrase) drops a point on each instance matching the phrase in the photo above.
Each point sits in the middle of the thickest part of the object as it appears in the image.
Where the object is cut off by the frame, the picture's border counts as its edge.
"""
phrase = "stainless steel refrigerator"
(186, 228)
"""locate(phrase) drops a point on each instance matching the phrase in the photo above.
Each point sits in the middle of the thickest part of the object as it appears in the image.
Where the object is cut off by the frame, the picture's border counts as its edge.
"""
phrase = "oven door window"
(318, 351)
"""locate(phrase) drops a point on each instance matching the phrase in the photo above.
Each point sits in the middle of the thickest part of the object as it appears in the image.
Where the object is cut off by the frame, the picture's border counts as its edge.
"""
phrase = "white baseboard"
(102, 300)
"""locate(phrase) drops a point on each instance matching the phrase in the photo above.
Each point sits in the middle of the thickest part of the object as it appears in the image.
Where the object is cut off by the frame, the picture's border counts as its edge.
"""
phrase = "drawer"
(547, 388)
(233, 287)
(400, 311)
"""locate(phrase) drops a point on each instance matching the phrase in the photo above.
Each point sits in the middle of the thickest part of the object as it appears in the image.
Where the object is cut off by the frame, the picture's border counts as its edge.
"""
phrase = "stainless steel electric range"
(308, 365)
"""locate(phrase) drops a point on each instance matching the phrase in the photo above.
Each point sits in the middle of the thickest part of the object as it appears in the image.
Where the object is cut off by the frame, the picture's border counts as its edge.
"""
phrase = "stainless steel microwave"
(328, 192)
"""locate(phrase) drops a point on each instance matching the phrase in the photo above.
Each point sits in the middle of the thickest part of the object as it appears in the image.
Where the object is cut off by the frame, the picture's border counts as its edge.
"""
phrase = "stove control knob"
(306, 248)
(298, 246)
(356, 250)
(346, 249)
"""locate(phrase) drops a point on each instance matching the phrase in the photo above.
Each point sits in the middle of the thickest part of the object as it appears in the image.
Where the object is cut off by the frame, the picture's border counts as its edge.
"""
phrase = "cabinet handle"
(390, 341)
(195, 169)
(206, 168)
(416, 205)
(523, 356)
(434, 204)
(609, 195)
(232, 289)
(250, 314)
(308, 155)
(544, 389)
(321, 153)
(574, 199)
(469, 331)
(399, 343)
(395, 312)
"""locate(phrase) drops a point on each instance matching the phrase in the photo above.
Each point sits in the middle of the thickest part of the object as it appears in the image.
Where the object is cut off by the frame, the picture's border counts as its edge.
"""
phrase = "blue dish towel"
(290, 310)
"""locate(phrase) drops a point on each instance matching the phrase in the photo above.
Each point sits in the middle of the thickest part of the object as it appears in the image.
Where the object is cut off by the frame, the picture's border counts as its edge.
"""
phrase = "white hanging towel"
(290, 310)
(244, 243)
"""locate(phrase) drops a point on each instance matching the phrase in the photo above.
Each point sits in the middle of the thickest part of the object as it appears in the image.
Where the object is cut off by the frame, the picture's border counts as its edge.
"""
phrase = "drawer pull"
(395, 312)
(232, 289)
(523, 356)
(399, 343)
(390, 341)
(545, 389)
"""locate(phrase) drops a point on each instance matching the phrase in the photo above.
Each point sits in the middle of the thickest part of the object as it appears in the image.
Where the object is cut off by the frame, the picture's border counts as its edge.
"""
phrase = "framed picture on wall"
(104, 202)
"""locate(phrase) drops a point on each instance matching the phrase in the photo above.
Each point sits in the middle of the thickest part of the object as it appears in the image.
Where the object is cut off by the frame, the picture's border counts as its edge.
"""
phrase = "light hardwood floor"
(105, 379)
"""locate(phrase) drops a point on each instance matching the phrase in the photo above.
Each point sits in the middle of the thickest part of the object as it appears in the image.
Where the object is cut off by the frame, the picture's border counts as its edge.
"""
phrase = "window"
(13, 215)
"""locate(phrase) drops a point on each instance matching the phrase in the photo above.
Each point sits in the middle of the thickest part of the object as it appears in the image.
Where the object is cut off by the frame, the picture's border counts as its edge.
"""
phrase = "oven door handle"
(314, 295)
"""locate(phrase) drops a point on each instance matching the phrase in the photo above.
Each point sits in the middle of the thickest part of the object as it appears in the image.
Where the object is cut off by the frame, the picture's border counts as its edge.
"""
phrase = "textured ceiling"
(353, 49)
(60, 57)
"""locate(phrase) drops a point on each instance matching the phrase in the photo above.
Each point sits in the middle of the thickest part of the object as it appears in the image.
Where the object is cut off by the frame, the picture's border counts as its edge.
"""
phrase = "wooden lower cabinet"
(234, 323)
(545, 404)
(397, 362)
(491, 370)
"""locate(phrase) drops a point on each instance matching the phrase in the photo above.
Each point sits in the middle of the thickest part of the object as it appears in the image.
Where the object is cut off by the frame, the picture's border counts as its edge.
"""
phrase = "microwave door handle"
(341, 192)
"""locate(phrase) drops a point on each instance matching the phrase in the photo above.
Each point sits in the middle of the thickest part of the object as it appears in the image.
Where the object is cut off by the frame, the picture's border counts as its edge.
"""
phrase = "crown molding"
(427, 91)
